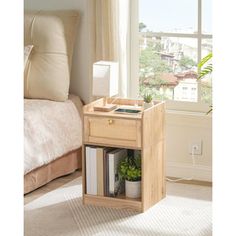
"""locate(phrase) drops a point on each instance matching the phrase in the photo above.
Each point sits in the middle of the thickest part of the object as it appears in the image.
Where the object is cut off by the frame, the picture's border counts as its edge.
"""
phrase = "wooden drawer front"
(113, 131)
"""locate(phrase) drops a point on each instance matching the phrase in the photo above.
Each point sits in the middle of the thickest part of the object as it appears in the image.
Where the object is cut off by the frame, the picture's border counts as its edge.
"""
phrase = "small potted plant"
(130, 171)
(147, 100)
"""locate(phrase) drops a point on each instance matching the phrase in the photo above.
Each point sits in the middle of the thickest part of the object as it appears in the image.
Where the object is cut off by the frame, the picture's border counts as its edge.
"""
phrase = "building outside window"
(173, 37)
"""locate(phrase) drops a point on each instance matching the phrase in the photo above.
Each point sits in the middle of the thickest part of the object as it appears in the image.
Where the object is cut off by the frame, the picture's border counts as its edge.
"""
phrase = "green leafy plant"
(147, 97)
(205, 69)
(130, 169)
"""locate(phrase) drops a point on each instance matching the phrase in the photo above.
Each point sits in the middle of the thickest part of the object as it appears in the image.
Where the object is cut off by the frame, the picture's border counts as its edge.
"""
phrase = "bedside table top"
(121, 103)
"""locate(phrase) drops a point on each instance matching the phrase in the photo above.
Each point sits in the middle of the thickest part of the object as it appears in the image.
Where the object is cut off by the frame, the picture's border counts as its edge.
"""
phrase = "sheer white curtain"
(124, 46)
(109, 36)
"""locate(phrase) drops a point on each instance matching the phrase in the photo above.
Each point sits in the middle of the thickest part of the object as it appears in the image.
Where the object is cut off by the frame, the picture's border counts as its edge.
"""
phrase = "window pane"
(206, 81)
(206, 47)
(176, 16)
(207, 16)
(168, 68)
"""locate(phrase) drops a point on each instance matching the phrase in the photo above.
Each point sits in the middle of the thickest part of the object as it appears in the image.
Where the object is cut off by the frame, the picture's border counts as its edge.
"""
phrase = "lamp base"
(106, 108)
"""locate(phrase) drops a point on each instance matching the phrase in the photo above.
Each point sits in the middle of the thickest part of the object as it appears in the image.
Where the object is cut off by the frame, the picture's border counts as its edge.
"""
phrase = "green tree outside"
(142, 26)
(187, 63)
(151, 68)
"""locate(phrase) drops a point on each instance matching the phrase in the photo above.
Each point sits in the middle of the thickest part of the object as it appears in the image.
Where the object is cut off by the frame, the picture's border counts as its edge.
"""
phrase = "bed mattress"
(51, 130)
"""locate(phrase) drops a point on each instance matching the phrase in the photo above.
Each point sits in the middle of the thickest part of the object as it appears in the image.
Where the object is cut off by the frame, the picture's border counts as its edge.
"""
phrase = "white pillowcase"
(27, 51)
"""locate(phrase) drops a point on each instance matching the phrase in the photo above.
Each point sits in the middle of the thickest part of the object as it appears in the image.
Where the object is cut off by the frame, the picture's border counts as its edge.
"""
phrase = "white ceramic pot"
(133, 189)
(147, 105)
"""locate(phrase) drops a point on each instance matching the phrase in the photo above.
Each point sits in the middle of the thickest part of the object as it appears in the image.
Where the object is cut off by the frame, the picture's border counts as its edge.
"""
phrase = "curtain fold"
(124, 46)
(109, 36)
(106, 33)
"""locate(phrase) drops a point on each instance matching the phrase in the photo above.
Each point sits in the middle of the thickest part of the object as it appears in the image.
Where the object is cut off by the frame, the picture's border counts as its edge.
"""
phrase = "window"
(173, 37)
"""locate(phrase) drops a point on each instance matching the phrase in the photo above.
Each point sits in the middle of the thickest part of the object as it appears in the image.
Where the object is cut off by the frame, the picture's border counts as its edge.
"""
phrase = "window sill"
(187, 107)
(188, 113)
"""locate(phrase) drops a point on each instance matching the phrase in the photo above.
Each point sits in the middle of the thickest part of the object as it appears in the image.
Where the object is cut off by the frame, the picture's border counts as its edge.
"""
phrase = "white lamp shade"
(105, 78)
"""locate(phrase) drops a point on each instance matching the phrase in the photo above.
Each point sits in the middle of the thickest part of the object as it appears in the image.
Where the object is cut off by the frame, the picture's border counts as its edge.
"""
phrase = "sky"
(174, 15)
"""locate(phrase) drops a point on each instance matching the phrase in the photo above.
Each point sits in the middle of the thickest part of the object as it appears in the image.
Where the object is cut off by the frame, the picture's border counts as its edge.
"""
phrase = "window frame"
(133, 90)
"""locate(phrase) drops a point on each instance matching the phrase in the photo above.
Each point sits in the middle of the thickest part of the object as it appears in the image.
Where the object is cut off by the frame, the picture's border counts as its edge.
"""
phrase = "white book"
(100, 171)
(91, 171)
(114, 158)
(88, 172)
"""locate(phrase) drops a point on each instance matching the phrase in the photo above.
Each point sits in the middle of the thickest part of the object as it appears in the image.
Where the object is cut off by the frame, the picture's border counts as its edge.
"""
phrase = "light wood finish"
(153, 184)
(125, 101)
(106, 108)
(113, 145)
(119, 203)
(110, 131)
(116, 101)
(113, 114)
(143, 131)
(89, 109)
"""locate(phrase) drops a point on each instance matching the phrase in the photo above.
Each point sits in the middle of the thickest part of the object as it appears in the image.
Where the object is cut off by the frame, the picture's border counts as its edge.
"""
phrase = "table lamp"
(105, 82)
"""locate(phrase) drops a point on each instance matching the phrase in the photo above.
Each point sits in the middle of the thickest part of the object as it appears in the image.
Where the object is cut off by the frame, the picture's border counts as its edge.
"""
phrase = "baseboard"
(182, 170)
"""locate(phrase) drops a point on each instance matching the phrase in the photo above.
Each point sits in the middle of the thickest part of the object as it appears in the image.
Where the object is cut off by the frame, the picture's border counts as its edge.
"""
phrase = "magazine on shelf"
(114, 158)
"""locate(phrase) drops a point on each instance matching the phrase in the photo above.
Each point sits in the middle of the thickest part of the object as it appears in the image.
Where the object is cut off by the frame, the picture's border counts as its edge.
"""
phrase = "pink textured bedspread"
(51, 129)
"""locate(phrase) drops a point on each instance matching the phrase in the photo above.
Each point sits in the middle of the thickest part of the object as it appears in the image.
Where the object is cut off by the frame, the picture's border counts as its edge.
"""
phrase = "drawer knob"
(110, 121)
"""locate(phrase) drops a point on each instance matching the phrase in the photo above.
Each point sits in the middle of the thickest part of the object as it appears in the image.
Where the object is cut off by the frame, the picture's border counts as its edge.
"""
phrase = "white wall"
(181, 129)
(80, 82)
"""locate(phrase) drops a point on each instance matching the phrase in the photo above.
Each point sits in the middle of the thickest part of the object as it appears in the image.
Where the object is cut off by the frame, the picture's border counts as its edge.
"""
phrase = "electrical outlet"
(195, 147)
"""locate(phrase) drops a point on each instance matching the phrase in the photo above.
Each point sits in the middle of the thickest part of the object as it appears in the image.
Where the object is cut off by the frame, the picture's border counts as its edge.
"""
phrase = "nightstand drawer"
(113, 131)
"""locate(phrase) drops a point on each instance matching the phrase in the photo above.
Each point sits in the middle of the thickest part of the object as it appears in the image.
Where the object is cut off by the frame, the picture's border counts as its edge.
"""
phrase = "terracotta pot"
(133, 189)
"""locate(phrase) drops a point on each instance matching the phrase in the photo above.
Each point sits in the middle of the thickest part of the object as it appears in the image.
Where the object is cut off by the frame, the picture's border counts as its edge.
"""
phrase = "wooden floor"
(29, 197)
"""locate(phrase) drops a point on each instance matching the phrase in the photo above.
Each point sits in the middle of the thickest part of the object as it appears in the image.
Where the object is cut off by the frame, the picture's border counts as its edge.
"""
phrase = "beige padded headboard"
(52, 33)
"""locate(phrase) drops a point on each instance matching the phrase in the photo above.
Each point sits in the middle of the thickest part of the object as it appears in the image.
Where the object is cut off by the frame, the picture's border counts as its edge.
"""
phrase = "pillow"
(27, 51)
(52, 33)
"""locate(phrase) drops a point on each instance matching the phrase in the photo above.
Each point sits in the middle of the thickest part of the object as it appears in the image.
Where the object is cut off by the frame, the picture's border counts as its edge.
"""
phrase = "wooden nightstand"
(144, 132)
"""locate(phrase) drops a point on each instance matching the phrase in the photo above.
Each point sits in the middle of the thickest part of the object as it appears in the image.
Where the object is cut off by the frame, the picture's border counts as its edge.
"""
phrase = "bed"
(53, 139)
(52, 118)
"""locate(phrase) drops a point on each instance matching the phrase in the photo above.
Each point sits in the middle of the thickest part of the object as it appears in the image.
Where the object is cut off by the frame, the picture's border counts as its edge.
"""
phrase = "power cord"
(193, 165)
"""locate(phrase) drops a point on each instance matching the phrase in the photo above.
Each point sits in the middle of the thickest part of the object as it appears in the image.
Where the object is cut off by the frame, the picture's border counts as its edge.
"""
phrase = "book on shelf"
(96, 176)
(102, 177)
(101, 170)
(91, 170)
(105, 170)
(114, 158)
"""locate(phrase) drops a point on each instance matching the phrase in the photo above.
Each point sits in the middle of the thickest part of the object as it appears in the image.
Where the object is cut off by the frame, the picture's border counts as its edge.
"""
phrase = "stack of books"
(102, 170)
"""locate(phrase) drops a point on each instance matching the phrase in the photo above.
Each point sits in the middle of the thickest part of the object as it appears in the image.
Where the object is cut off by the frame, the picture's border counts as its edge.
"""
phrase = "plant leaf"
(204, 60)
(207, 70)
